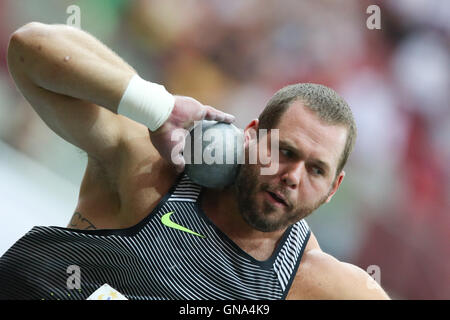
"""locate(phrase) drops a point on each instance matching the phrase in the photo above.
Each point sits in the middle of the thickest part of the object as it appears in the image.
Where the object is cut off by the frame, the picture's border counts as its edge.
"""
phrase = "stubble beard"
(246, 188)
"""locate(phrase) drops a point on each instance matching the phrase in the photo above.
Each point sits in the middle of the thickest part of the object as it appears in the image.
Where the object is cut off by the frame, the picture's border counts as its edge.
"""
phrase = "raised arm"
(69, 61)
(75, 83)
(66, 75)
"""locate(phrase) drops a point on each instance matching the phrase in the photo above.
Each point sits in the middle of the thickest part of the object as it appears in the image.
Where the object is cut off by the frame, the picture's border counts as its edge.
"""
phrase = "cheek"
(250, 174)
(321, 188)
(260, 152)
(312, 188)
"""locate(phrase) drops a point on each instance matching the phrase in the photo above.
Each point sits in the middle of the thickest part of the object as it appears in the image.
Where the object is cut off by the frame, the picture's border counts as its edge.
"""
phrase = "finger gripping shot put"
(174, 202)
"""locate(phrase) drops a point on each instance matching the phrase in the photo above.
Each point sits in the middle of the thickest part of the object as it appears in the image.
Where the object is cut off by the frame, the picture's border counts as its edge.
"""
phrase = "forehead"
(302, 127)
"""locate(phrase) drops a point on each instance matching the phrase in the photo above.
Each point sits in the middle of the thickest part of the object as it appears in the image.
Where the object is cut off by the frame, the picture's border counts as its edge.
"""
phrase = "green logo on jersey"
(165, 219)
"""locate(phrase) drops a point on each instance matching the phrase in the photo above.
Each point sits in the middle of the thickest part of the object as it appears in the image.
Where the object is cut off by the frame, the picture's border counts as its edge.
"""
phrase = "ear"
(250, 132)
(337, 182)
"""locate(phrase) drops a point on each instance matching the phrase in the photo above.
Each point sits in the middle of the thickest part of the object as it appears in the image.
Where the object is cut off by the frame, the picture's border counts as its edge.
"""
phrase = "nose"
(292, 175)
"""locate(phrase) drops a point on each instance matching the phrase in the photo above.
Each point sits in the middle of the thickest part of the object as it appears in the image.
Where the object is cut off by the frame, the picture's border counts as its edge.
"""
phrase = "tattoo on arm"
(80, 222)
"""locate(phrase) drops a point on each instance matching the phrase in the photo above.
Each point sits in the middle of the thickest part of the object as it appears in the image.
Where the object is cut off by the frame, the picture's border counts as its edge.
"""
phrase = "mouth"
(276, 198)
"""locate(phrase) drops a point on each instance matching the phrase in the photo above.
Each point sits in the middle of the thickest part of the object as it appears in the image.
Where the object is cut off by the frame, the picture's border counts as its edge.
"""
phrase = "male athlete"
(141, 225)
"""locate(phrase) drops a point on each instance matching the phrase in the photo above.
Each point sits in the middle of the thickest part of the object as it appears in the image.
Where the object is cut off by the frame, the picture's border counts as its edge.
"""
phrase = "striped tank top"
(150, 261)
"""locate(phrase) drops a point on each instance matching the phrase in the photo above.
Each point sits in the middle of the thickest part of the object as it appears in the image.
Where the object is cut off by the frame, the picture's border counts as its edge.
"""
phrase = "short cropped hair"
(323, 101)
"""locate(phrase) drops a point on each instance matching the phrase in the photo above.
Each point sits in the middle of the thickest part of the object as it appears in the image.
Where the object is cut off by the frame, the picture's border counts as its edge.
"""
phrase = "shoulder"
(135, 160)
(121, 192)
(143, 175)
(323, 277)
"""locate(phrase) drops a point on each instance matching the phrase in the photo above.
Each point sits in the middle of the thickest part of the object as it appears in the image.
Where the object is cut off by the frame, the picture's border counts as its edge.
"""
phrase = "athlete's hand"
(184, 113)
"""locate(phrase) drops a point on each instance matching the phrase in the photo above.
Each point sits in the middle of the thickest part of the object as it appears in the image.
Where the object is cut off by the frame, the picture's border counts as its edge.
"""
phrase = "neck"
(222, 209)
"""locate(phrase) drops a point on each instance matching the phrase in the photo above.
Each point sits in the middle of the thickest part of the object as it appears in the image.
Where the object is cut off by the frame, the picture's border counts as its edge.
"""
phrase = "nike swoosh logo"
(165, 219)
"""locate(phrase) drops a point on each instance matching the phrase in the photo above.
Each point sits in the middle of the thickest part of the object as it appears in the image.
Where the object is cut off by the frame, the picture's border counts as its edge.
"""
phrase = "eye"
(317, 171)
(286, 153)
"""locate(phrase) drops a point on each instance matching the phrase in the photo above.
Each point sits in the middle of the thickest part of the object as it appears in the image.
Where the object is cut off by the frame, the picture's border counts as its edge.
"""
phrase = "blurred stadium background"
(393, 209)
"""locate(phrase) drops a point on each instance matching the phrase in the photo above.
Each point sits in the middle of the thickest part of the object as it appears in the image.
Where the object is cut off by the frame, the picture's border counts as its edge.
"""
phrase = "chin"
(264, 221)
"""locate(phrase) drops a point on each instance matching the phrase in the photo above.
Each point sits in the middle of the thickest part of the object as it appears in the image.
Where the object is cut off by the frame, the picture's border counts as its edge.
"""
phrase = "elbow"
(30, 27)
(26, 33)
(22, 43)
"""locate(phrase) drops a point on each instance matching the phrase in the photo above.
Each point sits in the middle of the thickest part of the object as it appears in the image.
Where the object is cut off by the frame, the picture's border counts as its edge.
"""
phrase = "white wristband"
(146, 102)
